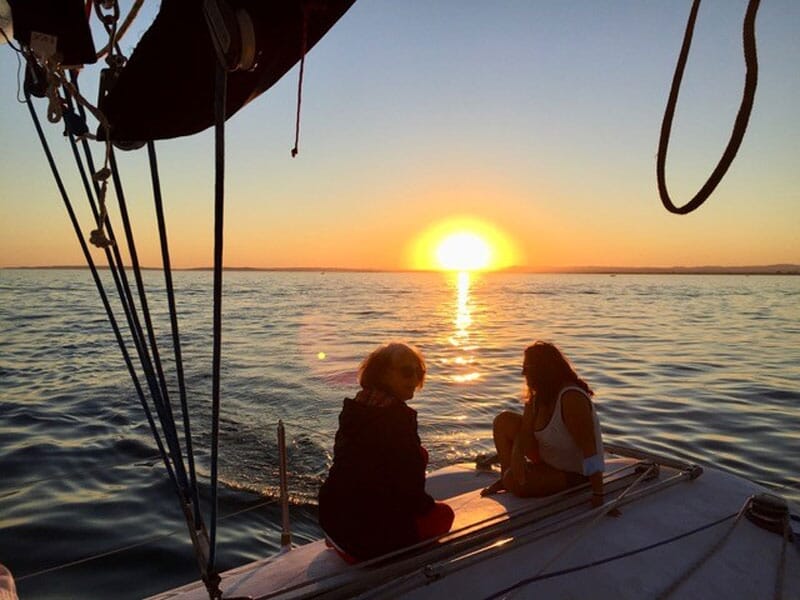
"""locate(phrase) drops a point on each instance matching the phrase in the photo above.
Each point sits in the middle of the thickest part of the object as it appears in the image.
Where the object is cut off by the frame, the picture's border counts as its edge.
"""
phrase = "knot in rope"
(98, 238)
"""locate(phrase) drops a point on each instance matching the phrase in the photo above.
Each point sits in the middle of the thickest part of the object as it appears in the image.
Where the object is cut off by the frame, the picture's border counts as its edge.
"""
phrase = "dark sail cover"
(166, 89)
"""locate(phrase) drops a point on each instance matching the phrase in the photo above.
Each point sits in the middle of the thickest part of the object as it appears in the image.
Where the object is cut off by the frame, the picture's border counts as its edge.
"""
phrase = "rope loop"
(740, 124)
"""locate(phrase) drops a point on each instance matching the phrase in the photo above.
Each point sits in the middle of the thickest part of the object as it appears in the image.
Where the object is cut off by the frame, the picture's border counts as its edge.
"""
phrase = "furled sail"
(166, 89)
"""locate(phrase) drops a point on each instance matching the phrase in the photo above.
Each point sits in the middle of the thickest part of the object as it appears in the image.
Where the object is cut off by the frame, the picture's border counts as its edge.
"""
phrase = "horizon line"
(771, 269)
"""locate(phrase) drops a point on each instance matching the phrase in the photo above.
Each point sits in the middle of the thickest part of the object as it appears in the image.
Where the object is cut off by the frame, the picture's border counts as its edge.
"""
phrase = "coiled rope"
(740, 124)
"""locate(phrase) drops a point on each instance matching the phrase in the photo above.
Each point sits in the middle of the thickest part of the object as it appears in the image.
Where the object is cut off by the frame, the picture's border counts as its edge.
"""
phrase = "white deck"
(561, 533)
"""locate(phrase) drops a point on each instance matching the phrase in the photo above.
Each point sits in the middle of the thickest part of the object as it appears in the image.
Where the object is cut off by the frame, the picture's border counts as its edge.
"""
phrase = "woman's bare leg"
(540, 480)
(504, 430)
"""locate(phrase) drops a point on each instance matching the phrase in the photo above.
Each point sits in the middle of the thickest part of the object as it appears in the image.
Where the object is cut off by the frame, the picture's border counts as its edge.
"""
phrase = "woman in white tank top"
(556, 442)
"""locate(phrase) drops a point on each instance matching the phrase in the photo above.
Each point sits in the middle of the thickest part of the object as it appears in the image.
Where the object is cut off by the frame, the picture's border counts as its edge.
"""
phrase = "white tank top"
(556, 445)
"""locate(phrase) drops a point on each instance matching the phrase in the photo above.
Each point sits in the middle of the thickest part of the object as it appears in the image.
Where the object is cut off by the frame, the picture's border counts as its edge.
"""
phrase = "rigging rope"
(103, 466)
(158, 387)
(173, 316)
(55, 77)
(173, 459)
(700, 561)
(303, 51)
(95, 276)
(220, 95)
(160, 398)
(46, 78)
(17, 54)
(123, 289)
(621, 555)
(131, 546)
(116, 264)
(117, 269)
(608, 508)
(740, 124)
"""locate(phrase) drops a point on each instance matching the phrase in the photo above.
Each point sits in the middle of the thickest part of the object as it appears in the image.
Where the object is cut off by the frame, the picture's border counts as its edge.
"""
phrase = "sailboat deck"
(501, 540)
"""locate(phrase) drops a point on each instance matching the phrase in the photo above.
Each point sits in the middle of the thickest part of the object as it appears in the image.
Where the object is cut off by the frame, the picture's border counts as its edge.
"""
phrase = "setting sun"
(463, 251)
(463, 244)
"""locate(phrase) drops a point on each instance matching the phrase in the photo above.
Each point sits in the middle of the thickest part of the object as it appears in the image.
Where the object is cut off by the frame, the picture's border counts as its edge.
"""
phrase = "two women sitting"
(374, 501)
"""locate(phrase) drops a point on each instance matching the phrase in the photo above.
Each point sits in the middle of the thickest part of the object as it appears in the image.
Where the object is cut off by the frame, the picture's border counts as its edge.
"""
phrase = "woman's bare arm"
(577, 412)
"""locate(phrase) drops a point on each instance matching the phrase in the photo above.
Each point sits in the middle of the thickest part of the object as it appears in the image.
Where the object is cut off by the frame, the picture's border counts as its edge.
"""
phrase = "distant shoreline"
(780, 269)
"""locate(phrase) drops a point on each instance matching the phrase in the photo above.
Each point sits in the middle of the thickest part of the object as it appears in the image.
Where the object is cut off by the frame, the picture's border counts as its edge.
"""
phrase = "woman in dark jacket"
(374, 498)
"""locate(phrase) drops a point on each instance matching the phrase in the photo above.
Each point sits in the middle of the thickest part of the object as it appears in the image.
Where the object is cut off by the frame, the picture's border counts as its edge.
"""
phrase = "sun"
(463, 243)
(463, 251)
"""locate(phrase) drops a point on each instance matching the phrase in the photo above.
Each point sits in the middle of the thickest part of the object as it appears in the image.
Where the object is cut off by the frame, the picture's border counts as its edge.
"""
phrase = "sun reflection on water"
(460, 339)
(463, 316)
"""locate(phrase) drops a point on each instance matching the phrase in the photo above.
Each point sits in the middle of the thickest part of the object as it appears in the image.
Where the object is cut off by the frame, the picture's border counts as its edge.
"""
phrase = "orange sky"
(543, 127)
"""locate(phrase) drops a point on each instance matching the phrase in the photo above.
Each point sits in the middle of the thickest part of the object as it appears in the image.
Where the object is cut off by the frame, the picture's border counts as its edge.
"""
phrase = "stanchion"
(286, 535)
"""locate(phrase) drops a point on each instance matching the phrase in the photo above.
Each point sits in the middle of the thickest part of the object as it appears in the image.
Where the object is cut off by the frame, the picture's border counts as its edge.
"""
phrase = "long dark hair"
(547, 372)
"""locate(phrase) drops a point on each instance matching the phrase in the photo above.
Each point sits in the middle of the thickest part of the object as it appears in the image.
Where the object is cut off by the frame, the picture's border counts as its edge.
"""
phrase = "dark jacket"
(376, 486)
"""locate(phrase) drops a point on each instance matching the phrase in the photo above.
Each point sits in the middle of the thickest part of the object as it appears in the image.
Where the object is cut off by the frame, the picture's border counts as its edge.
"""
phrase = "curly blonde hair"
(372, 371)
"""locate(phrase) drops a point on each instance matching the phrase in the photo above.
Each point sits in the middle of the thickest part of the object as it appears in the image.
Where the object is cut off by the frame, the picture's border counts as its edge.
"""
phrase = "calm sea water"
(703, 367)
